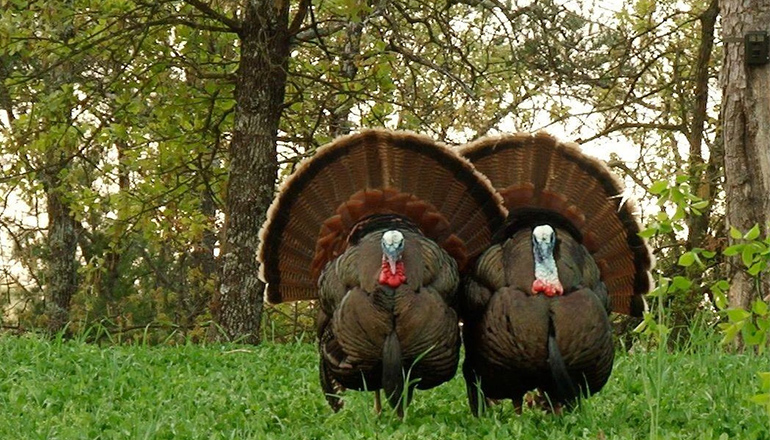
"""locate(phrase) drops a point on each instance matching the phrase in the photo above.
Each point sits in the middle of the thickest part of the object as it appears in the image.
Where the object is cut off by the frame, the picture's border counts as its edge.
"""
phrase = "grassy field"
(72, 390)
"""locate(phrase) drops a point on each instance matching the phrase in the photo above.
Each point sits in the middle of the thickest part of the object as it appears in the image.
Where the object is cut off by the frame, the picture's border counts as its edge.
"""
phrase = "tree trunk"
(702, 177)
(746, 126)
(253, 166)
(63, 229)
(62, 267)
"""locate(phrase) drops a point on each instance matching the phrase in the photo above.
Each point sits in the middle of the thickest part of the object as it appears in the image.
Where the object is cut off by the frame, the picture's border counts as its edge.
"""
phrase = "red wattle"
(390, 279)
(548, 289)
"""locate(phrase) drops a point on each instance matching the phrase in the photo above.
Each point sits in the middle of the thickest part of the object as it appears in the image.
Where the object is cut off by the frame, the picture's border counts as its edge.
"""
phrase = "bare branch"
(628, 171)
(630, 125)
(495, 5)
(393, 47)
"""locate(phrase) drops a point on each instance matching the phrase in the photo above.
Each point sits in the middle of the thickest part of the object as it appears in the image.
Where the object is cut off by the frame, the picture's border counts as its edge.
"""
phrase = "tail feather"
(374, 172)
(392, 370)
(537, 174)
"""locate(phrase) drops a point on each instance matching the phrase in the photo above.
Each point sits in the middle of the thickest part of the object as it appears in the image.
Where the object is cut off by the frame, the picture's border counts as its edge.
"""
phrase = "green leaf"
(648, 233)
(751, 337)
(730, 332)
(735, 233)
(686, 259)
(658, 187)
(681, 283)
(677, 196)
(733, 250)
(679, 214)
(747, 256)
(700, 205)
(756, 268)
(764, 377)
(737, 315)
(709, 254)
(722, 285)
(752, 234)
(759, 307)
(720, 299)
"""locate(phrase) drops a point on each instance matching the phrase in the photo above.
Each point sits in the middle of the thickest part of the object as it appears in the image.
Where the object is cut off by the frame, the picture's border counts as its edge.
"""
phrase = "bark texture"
(62, 266)
(702, 176)
(63, 229)
(746, 125)
(264, 34)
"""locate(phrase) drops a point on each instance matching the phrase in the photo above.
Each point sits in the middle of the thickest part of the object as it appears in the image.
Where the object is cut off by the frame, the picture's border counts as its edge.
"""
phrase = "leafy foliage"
(139, 160)
(686, 276)
(752, 325)
(132, 142)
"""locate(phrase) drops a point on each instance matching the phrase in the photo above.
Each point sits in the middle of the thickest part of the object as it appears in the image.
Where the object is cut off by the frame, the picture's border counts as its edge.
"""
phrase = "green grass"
(73, 390)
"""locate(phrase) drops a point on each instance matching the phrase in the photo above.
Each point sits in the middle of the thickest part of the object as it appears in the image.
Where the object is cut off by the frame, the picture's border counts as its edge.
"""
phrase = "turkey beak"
(543, 250)
(391, 263)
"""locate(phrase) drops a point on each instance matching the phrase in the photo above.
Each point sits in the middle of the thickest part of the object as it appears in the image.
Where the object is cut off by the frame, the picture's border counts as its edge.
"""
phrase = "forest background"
(140, 141)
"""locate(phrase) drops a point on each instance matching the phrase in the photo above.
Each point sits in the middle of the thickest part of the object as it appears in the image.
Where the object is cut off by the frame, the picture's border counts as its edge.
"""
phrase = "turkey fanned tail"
(535, 306)
(377, 227)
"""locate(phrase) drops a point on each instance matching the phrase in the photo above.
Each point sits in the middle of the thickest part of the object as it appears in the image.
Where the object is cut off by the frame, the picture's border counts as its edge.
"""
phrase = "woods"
(142, 141)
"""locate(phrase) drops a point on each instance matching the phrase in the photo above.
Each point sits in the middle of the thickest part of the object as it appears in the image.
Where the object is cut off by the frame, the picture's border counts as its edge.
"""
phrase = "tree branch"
(230, 22)
(191, 24)
(629, 172)
(296, 22)
(315, 32)
(393, 47)
(629, 125)
(493, 5)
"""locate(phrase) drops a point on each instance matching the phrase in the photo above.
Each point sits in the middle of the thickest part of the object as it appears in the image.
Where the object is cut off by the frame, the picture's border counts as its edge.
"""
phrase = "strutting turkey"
(378, 226)
(535, 306)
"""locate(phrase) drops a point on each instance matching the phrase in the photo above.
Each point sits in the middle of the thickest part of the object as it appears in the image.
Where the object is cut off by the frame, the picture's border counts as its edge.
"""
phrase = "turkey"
(378, 226)
(535, 306)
